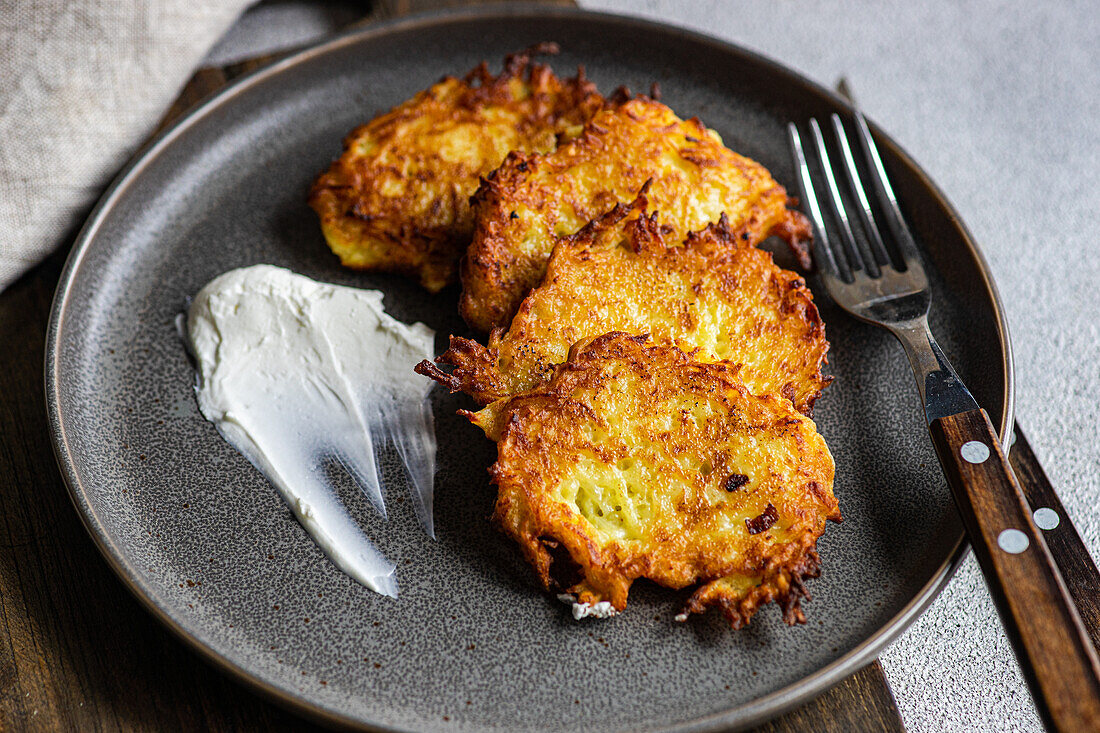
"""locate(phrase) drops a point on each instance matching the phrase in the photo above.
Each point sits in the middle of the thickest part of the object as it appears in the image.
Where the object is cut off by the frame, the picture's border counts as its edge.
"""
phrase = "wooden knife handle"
(1063, 540)
(1052, 647)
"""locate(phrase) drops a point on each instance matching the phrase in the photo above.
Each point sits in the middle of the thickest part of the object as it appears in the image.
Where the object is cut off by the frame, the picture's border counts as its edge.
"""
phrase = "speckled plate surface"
(472, 643)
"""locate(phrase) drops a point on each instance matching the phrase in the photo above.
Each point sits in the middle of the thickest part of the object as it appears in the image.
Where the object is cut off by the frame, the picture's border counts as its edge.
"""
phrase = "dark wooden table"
(77, 651)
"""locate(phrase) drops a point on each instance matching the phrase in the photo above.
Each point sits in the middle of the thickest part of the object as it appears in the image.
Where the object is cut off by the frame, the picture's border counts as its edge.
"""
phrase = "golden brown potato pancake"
(535, 198)
(713, 295)
(397, 200)
(633, 461)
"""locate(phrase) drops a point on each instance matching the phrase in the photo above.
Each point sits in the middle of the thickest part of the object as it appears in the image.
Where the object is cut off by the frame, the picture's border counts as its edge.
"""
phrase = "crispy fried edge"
(474, 365)
(783, 585)
(782, 577)
(431, 264)
(482, 274)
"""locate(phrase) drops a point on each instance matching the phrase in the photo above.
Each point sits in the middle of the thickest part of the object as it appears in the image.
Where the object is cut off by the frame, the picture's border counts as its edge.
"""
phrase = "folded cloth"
(82, 84)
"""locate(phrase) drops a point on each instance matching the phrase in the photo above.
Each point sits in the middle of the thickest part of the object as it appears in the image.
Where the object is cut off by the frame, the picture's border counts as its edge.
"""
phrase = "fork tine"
(840, 213)
(902, 236)
(855, 183)
(809, 198)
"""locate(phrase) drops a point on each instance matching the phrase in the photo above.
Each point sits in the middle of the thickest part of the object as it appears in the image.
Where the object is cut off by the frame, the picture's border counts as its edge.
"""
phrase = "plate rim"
(752, 713)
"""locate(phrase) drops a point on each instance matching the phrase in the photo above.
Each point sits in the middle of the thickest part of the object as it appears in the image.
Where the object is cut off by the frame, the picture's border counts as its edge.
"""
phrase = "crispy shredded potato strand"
(634, 461)
(713, 295)
(533, 199)
(397, 200)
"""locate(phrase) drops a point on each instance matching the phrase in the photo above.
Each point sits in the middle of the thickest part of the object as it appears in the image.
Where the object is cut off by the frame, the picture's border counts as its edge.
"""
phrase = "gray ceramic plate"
(472, 643)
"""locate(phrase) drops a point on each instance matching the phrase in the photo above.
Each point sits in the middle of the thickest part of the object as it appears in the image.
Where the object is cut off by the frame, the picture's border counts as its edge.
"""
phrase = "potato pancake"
(534, 198)
(633, 461)
(713, 295)
(397, 200)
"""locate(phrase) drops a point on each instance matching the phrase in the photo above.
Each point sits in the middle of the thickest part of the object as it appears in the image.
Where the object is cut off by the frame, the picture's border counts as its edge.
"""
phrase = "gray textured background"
(1000, 103)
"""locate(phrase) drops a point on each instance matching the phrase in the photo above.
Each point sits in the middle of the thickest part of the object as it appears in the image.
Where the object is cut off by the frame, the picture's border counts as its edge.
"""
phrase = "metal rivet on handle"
(1013, 541)
(1046, 518)
(974, 451)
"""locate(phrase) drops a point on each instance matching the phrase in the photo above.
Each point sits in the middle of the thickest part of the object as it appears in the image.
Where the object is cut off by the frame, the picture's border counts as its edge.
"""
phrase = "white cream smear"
(298, 375)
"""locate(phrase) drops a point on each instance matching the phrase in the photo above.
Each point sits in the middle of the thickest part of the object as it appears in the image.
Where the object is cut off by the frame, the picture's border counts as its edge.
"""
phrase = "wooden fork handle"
(1052, 647)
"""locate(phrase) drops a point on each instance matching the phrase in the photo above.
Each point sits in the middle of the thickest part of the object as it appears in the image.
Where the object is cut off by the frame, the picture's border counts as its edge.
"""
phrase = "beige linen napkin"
(82, 83)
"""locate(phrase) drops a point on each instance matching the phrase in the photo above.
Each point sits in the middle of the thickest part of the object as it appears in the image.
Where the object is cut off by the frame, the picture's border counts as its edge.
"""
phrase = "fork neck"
(941, 390)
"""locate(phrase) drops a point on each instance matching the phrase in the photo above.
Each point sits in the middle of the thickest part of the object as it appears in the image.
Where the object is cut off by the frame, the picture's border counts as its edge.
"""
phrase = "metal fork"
(887, 286)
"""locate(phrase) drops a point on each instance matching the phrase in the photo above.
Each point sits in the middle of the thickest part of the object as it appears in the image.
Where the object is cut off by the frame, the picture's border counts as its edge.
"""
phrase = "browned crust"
(522, 206)
(624, 271)
(474, 370)
(403, 206)
(798, 234)
(543, 433)
(783, 585)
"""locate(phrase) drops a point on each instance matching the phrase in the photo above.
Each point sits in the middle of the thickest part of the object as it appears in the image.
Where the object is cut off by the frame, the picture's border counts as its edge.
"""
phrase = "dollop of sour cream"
(300, 377)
